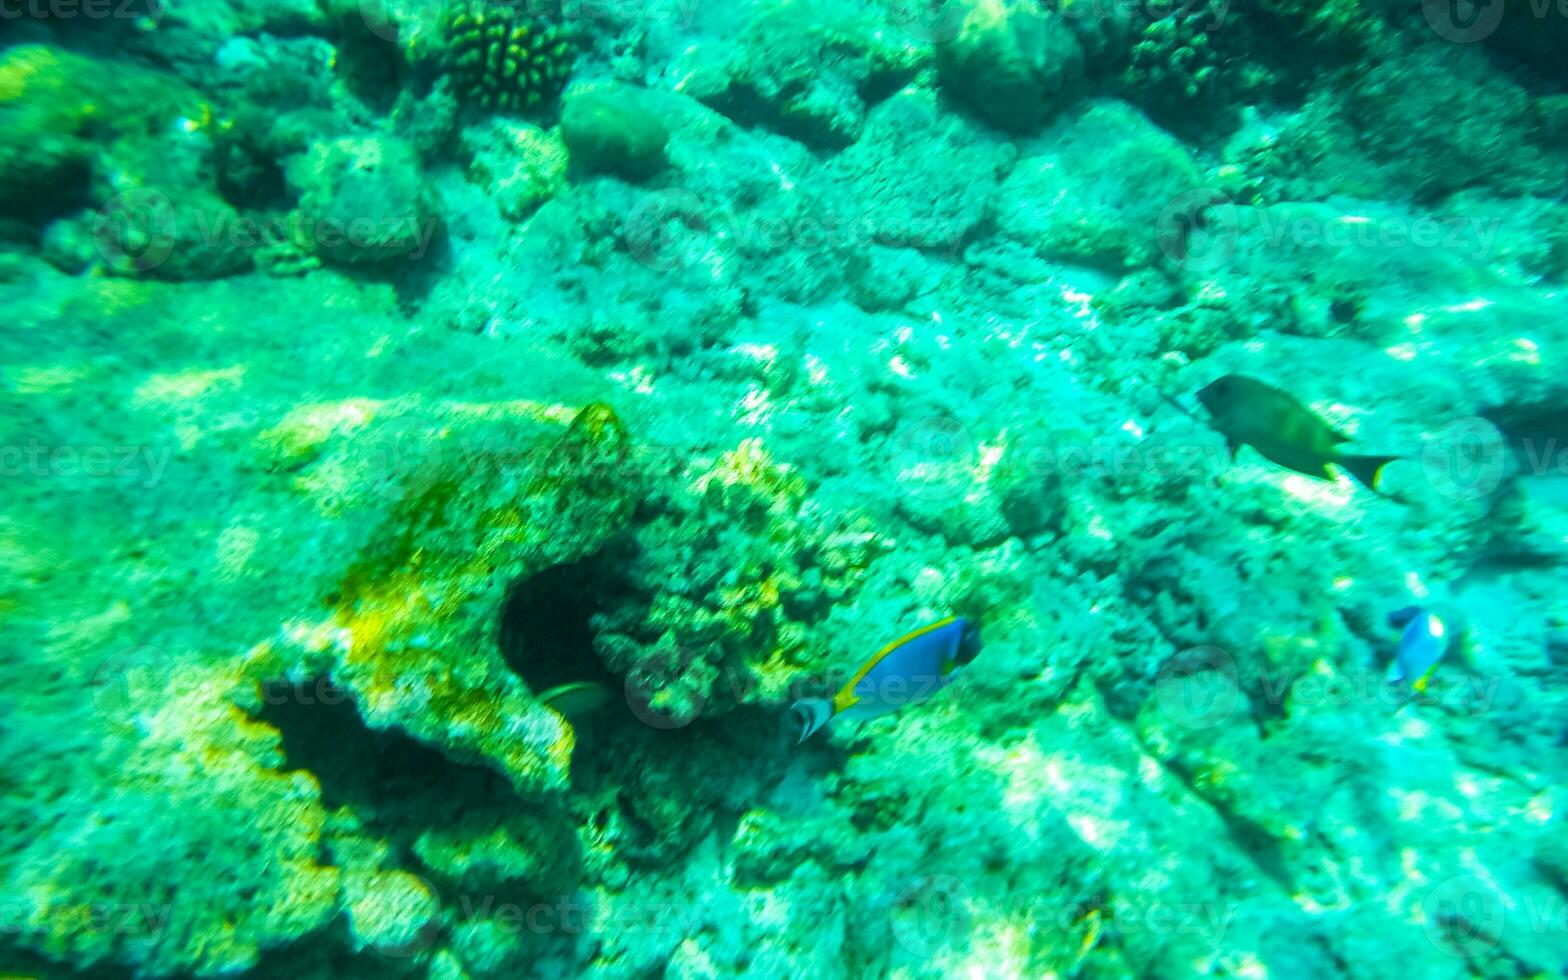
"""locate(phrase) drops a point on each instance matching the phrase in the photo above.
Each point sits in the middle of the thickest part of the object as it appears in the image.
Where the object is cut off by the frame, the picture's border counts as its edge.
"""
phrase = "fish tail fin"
(813, 714)
(1367, 470)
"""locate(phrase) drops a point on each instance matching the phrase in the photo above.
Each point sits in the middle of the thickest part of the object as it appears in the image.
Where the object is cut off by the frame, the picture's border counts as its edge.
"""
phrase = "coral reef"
(808, 69)
(921, 206)
(732, 575)
(521, 166)
(362, 200)
(1098, 196)
(610, 130)
(1013, 63)
(502, 59)
(342, 424)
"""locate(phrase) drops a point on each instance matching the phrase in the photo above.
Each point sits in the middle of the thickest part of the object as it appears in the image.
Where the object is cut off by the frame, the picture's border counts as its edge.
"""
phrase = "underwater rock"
(612, 129)
(1097, 195)
(412, 632)
(197, 29)
(891, 277)
(1485, 139)
(66, 119)
(46, 110)
(913, 198)
(362, 201)
(127, 154)
(200, 787)
(388, 911)
(274, 100)
(1013, 63)
(659, 295)
(520, 166)
(806, 70)
(502, 59)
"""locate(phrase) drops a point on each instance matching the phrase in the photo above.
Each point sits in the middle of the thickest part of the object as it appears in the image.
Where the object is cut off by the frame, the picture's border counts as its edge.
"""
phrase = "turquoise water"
(832, 488)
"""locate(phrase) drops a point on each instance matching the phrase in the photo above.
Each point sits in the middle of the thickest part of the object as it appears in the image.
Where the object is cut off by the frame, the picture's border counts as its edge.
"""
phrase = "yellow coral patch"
(750, 465)
(305, 428)
(105, 298)
(46, 378)
(163, 389)
(23, 68)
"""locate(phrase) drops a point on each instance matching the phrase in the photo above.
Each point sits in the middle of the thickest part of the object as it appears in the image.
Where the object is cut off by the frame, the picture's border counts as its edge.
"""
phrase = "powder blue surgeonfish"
(906, 671)
(1422, 643)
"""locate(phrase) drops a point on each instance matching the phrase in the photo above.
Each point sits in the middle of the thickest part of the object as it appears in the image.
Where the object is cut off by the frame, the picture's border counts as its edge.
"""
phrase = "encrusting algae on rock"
(411, 630)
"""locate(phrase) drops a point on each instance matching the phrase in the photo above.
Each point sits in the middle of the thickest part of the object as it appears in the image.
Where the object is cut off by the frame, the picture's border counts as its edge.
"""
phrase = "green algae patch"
(59, 109)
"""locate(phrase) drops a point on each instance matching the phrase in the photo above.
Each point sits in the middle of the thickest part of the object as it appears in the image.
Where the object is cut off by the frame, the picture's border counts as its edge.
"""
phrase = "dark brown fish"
(1248, 412)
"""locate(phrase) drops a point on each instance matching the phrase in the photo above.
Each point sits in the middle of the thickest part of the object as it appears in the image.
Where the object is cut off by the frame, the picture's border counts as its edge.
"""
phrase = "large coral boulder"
(611, 129)
(363, 200)
(1012, 63)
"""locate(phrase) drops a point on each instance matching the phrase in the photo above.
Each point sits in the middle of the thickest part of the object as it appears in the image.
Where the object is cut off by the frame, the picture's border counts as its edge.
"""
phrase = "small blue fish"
(906, 671)
(1422, 644)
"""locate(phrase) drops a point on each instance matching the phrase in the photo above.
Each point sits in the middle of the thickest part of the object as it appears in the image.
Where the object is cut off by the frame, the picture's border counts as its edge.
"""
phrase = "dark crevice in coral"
(370, 62)
(1537, 434)
(21, 963)
(395, 784)
(327, 953)
(547, 633)
(1251, 838)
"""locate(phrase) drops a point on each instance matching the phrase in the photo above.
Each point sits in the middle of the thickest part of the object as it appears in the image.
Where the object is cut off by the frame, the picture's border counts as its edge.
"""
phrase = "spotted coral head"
(502, 59)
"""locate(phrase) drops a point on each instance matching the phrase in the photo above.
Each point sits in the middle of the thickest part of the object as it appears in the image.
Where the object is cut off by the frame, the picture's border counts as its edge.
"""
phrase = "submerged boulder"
(1012, 63)
(611, 129)
(362, 200)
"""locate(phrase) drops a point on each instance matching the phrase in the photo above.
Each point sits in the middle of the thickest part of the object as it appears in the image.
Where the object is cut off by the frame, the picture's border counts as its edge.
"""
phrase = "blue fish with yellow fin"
(906, 671)
(1423, 641)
